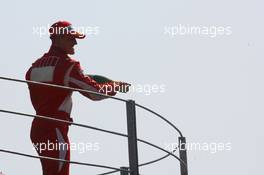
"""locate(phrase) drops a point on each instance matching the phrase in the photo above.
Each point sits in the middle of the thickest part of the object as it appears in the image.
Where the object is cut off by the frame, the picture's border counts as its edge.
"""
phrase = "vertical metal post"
(124, 172)
(183, 155)
(132, 137)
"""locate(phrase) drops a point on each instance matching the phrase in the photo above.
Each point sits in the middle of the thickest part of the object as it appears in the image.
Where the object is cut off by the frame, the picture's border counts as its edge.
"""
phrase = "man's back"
(51, 68)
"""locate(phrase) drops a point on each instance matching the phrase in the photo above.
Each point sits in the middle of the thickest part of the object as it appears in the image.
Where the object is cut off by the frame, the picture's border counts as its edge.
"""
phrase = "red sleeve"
(78, 80)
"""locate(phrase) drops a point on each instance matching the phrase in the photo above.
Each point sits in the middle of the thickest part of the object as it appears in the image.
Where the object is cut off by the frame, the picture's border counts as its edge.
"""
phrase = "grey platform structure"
(134, 165)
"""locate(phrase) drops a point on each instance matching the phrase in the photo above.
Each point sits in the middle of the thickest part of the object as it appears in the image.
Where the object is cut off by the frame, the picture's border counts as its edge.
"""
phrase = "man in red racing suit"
(56, 67)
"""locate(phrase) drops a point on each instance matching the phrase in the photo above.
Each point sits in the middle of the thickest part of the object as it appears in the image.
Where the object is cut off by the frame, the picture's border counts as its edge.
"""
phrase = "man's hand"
(119, 86)
(122, 87)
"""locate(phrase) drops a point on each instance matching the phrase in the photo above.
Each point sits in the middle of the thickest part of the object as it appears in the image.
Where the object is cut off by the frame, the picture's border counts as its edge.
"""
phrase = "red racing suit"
(56, 67)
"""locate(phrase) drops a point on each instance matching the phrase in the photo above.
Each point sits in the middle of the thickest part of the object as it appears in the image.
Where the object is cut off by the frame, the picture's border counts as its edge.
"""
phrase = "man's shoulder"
(72, 60)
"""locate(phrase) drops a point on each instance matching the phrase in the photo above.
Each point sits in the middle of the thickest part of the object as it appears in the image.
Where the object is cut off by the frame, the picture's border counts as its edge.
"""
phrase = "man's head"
(64, 36)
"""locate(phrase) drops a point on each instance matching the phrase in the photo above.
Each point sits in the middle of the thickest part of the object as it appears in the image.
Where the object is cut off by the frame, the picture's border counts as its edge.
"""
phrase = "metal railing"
(133, 168)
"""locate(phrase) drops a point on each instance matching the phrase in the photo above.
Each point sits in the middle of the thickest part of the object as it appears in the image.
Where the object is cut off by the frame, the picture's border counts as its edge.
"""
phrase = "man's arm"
(77, 79)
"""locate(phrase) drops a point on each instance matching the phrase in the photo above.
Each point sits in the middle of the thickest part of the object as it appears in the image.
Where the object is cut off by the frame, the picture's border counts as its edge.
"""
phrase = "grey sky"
(213, 86)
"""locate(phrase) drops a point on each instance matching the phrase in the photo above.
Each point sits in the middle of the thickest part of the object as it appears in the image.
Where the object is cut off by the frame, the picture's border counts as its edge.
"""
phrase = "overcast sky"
(203, 59)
